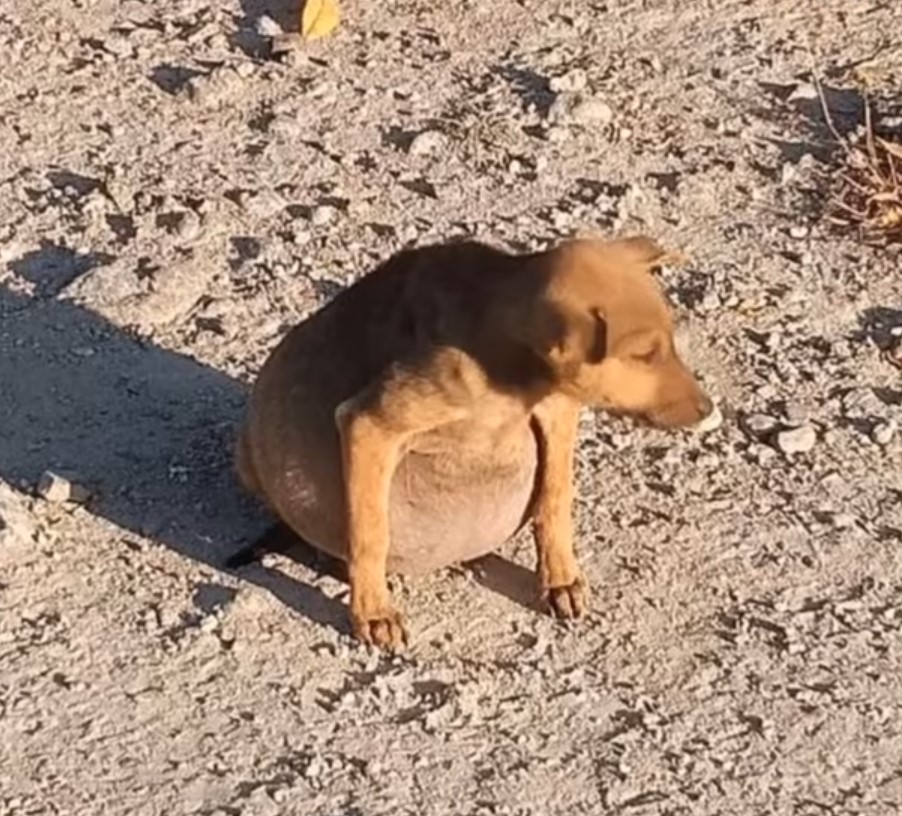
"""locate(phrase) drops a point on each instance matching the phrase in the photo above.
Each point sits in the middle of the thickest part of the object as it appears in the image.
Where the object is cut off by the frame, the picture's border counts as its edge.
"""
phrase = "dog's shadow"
(148, 431)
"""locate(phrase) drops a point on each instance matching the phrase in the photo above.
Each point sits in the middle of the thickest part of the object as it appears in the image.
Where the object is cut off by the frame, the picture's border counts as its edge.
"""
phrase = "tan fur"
(430, 410)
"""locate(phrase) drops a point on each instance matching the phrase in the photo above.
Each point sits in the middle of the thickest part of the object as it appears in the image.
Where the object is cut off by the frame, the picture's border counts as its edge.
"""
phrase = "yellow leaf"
(319, 18)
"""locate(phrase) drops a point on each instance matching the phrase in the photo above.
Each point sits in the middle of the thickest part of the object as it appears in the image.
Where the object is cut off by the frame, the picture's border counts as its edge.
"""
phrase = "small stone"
(287, 48)
(710, 301)
(804, 92)
(798, 232)
(843, 521)
(797, 440)
(428, 143)
(245, 69)
(575, 80)
(710, 423)
(58, 489)
(189, 226)
(209, 623)
(323, 215)
(759, 424)
(764, 455)
(591, 111)
(267, 27)
(884, 432)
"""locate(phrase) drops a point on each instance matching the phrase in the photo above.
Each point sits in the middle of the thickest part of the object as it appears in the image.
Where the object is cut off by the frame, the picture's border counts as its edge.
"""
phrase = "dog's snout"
(689, 406)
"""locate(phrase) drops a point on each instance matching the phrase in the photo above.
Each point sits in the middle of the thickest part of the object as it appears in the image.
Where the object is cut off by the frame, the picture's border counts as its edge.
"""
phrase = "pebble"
(323, 215)
(575, 80)
(843, 521)
(884, 432)
(58, 489)
(710, 423)
(798, 232)
(590, 111)
(267, 27)
(189, 226)
(245, 69)
(797, 440)
(428, 143)
(759, 424)
(764, 455)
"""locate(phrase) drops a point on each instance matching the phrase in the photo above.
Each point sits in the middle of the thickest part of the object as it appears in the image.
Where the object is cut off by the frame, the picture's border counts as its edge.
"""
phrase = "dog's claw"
(567, 602)
(387, 631)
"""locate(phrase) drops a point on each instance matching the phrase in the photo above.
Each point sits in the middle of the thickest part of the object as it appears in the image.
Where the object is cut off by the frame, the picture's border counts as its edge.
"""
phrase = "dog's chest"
(494, 431)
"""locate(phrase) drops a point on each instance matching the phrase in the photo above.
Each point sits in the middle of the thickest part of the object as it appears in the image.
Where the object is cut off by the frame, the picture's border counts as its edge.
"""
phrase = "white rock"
(883, 434)
(760, 424)
(797, 440)
(57, 488)
(267, 27)
(245, 69)
(189, 226)
(323, 215)
(710, 423)
(591, 111)
(575, 80)
(428, 143)
(843, 521)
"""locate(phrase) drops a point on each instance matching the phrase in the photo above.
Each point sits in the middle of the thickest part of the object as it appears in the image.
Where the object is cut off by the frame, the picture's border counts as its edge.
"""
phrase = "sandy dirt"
(172, 198)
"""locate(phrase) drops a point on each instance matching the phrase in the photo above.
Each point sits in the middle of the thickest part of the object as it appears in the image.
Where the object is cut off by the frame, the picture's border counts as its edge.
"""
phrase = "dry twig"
(866, 193)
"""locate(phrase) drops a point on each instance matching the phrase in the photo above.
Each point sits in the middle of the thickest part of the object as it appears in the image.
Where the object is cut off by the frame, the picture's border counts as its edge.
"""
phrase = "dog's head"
(603, 326)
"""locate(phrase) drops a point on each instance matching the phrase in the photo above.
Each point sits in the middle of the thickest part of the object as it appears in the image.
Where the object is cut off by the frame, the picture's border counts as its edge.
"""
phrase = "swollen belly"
(442, 514)
(445, 507)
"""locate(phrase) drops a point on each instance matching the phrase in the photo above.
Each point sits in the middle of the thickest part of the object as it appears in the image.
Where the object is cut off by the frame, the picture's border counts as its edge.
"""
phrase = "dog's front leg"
(373, 428)
(561, 581)
(370, 453)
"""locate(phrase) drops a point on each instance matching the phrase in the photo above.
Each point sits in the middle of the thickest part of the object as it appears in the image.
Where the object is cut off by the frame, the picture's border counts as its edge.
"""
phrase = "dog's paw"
(567, 602)
(385, 629)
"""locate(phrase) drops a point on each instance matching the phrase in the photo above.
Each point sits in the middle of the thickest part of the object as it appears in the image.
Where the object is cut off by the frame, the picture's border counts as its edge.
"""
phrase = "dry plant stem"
(866, 195)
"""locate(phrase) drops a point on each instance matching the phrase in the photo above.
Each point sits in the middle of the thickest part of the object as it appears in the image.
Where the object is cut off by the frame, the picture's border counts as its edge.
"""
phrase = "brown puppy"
(430, 410)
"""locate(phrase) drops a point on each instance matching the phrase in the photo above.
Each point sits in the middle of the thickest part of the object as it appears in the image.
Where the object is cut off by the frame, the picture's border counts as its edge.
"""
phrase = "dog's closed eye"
(648, 349)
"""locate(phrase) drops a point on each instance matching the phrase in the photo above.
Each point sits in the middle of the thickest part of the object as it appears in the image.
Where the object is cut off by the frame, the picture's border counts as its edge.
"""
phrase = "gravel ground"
(172, 198)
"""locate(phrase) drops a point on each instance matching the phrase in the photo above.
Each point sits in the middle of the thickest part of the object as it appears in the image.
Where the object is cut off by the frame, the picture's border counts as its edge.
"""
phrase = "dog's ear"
(646, 251)
(567, 337)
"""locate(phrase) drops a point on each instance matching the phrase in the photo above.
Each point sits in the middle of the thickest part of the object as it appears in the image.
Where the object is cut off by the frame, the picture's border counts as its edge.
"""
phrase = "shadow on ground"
(149, 431)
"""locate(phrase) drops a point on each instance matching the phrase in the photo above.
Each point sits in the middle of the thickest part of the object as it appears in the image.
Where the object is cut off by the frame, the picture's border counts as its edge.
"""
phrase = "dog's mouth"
(698, 419)
(672, 417)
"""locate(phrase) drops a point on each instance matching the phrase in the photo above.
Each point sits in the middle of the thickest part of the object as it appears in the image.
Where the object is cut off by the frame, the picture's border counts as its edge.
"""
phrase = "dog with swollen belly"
(428, 412)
